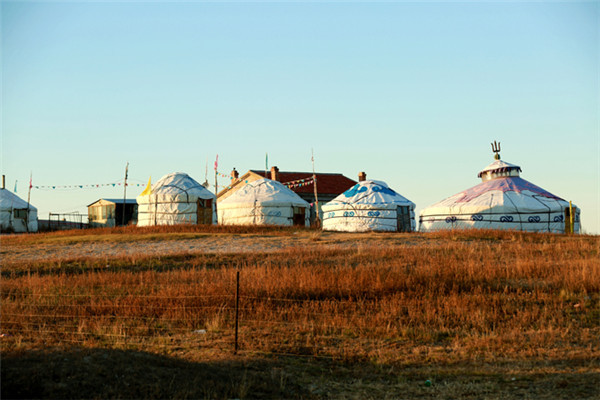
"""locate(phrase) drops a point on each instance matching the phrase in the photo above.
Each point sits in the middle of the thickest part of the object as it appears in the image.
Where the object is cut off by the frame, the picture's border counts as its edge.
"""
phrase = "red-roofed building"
(329, 185)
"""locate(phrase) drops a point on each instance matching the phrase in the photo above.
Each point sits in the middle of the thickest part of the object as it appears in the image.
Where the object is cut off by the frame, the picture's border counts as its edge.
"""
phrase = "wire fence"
(224, 322)
(64, 221)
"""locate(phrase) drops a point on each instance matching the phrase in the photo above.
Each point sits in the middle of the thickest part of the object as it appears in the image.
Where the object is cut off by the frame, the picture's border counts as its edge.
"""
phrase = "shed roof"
(116, 201)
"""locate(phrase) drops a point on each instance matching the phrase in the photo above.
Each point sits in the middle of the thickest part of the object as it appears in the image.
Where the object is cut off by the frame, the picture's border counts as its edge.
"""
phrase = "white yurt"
(503, 200)
(16, 215)
(176, 199)
(369, 206)
(264, 202)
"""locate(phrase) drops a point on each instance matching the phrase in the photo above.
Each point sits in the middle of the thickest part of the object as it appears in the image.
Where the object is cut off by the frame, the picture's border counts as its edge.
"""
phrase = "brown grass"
(452, 305)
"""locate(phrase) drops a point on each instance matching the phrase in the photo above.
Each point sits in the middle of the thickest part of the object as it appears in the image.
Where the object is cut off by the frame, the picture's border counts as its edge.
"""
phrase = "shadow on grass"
(109, 374)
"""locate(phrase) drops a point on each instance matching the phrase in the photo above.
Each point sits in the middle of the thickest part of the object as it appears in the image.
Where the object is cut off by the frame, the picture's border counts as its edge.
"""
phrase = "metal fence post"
(237, 306)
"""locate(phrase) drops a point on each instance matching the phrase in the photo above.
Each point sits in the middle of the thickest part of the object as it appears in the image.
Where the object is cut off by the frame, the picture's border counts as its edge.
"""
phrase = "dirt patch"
(206, 244)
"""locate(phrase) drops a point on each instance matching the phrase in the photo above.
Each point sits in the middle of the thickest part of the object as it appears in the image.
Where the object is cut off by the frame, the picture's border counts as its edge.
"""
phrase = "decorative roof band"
(503, 169)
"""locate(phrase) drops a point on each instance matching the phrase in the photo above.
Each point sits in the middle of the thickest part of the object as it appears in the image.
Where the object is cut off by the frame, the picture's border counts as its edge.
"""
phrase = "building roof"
(326, 183)
(116, 201)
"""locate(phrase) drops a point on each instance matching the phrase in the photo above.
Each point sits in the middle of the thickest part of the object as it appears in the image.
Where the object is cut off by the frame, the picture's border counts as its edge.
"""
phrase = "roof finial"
(496, 149)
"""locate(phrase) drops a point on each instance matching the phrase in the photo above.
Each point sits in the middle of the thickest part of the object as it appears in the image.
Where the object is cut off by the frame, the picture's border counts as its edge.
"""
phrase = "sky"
(412, 93)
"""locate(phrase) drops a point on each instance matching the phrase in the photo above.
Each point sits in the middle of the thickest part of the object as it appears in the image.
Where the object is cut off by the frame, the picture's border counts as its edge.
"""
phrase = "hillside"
(150, 313)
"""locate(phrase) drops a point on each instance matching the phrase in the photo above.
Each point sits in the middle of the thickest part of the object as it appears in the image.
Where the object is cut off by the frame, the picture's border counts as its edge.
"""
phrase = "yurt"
(16, 215)
(176, 199)
(503, 200)
(369, 206)
(264, 202)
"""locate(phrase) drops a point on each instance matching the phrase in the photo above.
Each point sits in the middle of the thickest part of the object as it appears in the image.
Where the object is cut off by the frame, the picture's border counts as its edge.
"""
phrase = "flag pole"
(206, 174)
(216, 166)
(124, 193)
(317, 217)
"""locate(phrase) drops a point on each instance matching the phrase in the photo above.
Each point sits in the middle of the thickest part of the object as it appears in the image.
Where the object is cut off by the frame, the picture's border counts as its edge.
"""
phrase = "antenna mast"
(28, 201)
(124, 194)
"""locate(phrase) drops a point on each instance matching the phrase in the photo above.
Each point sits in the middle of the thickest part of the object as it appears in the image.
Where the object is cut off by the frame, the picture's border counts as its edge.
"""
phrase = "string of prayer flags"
(86, 186)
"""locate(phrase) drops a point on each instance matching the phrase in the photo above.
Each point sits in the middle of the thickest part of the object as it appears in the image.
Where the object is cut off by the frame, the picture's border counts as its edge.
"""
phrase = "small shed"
(109, 212)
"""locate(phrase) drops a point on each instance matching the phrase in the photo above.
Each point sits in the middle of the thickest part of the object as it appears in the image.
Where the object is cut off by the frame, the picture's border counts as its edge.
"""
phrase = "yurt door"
(204, 209)
(20, 220)
(299, 216)
(403, 213)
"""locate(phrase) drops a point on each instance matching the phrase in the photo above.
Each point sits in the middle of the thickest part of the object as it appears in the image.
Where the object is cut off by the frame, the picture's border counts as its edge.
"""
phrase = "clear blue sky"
(412, 93)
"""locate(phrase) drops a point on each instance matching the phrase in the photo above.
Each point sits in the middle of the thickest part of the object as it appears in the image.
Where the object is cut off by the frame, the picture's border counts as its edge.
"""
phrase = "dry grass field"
(150, 313)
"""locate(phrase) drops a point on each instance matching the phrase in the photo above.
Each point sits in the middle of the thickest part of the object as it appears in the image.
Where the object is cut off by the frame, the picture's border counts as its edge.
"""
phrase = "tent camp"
(264, 202)
(503, 200)
(369, 206)
(176, 199)
(16, 215)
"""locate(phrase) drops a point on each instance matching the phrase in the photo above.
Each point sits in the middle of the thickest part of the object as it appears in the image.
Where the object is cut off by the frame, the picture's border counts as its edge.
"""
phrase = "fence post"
(237, 306)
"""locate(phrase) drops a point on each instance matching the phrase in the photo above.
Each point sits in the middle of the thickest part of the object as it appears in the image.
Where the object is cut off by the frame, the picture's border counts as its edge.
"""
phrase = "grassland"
(478, 314)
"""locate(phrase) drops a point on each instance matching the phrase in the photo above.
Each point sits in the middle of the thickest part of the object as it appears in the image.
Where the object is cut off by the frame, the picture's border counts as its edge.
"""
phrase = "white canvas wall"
(363, 218)
(260, 214)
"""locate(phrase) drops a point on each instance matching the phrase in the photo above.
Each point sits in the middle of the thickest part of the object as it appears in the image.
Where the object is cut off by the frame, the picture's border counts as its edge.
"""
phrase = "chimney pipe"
(362, 176)
(274, 173)
(3, 181)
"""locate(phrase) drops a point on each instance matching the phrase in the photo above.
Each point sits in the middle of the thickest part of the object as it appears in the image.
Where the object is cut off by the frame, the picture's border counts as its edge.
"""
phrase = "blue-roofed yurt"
(369, 206)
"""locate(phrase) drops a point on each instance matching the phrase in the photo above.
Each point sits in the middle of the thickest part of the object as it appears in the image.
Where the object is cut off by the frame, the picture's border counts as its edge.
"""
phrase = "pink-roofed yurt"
(503, 200)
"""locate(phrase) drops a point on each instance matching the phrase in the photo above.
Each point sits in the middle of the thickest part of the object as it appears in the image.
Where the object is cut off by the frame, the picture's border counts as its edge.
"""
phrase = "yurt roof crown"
(499, 168)
(180, 183)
